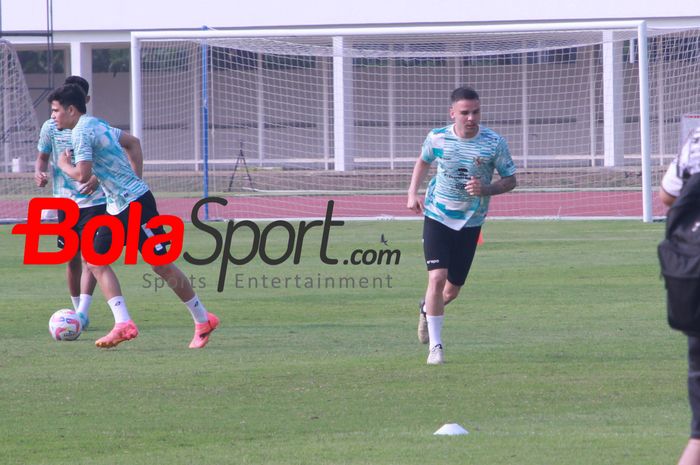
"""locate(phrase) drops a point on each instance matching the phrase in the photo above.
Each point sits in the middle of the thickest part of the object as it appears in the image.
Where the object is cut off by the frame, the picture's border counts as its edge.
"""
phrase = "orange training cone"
(480, 240)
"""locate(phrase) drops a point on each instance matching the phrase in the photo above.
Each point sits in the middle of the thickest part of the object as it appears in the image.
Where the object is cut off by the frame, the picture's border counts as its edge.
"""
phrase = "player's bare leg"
(691, 454)
(87, 280)
(449, 293)
(73, 276)
(107, 280)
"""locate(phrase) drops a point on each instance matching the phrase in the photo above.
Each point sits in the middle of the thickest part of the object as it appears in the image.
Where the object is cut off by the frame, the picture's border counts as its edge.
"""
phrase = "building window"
(111, 60)
(36, 62)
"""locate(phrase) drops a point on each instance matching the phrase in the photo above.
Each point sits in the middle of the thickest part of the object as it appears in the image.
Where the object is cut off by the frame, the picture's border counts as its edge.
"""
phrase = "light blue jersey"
(446, 199)
(94, 141)
(54, 142)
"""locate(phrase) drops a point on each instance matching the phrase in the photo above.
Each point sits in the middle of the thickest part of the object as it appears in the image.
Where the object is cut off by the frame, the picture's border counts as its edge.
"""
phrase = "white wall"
(88, 15)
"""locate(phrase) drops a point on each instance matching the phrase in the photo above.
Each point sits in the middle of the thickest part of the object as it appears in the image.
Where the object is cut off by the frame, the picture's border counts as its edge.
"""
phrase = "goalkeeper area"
(278, 123)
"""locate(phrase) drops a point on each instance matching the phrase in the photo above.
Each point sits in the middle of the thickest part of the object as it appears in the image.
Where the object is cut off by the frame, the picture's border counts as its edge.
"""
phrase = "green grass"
(558, 353)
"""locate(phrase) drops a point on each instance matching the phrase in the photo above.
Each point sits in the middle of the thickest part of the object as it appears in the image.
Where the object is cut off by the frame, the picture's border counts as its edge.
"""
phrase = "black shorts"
(445, 248)
(86, 214)
(103, 237)
(694, 384)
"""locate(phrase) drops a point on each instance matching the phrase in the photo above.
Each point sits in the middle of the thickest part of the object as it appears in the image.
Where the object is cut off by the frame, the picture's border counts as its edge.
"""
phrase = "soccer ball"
(64, 325)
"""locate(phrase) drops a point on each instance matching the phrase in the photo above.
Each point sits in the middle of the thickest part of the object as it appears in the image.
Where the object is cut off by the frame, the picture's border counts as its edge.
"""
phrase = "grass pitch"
(557, 353)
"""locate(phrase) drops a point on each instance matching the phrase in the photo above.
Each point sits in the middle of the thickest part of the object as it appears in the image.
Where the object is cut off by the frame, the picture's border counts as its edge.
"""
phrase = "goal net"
(279, 125)
(18, 136)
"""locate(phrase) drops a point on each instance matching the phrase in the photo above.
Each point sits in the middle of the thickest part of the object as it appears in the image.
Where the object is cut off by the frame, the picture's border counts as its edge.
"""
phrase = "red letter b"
(34, 229)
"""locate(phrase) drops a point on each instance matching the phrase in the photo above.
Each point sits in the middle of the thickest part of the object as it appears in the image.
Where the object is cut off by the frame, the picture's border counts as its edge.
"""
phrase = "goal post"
(18, 135)
(644, 118)
(294, 116)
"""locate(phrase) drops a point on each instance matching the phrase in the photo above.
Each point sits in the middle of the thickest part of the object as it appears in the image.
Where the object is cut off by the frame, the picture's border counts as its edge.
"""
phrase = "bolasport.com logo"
(222, 252)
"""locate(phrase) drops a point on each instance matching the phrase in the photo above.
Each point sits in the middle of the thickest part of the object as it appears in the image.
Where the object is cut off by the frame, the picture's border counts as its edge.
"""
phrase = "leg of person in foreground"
(691, 454)
(204, 322)
(124, 328)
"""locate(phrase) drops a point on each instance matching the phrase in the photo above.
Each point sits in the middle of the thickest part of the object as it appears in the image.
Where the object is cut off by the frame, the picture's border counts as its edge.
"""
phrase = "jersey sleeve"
(688, 160)
(671, 183)
(116, 133)
(504, 162)
(428, 151)
(44, 145)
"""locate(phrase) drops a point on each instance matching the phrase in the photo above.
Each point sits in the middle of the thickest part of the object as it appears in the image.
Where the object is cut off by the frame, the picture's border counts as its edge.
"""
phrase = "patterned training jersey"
(94, 141)
(54, 142)
(446, 199)
(688, 158)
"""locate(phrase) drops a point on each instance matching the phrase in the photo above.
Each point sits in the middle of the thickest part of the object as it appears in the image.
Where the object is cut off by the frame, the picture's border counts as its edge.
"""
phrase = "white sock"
(119, 310)
(199, 313)
(76, 302)
(84, 306)
(435, 329)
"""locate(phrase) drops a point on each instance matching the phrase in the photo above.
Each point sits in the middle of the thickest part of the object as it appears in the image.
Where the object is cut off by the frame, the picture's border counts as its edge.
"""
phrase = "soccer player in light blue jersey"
(88, 196)
(455, 206)
(97, 152)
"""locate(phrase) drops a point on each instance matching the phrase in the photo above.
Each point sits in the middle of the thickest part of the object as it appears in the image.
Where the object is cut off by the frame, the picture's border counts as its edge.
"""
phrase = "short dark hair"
(79, 81)
(69, 94)
(463, 93)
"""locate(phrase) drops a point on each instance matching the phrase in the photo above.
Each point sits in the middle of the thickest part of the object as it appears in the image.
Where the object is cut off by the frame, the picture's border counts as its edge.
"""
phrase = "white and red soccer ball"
(64, 325)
